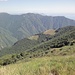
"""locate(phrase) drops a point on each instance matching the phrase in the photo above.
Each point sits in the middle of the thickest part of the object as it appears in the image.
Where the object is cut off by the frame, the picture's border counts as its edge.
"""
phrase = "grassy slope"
(6, 38)
(63, 65)
(21, 26)
(35, 37)
(53, 60)
(19, 46)
(25, 44)
(50, 32)
(13, 58)
(66, 34)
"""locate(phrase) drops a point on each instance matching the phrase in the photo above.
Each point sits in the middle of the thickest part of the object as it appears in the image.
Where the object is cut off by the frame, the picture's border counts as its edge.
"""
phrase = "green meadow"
(55, 65)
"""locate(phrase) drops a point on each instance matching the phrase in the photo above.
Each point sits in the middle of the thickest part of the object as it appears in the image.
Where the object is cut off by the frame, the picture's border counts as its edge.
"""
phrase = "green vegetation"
(6, 38)
(48, 55)
(59, 65)
(17, 27)
(13, 58)
(63, 37)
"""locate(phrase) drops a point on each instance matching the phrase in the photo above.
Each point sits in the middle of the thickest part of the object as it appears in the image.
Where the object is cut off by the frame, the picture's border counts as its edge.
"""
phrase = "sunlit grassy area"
(35, 37)
(66, 50)
(61, 65)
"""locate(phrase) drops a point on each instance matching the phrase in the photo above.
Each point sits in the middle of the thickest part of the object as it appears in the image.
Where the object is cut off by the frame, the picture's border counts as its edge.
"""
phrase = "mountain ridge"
(62, 43)
(62, 37)
(25, 25)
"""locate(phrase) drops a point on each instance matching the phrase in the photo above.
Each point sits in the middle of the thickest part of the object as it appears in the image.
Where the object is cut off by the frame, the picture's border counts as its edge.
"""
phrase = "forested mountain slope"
(25, 25)
(63, 37)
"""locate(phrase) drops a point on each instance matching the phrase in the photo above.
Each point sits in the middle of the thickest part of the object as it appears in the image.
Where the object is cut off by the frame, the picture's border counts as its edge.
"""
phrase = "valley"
(31, 46)
(16, 27)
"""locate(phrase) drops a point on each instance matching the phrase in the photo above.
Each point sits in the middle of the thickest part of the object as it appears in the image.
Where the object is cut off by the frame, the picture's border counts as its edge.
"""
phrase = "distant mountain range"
(17, 27)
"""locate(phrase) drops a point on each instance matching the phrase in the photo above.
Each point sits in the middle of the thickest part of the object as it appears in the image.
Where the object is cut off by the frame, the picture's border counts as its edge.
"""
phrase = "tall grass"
(59, 65)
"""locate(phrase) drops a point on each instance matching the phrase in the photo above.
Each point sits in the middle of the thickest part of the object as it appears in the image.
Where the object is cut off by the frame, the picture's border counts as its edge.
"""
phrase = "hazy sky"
(57, 7)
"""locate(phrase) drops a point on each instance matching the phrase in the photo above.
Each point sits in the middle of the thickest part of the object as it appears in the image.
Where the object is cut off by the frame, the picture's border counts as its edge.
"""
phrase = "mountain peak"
(22, 26)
